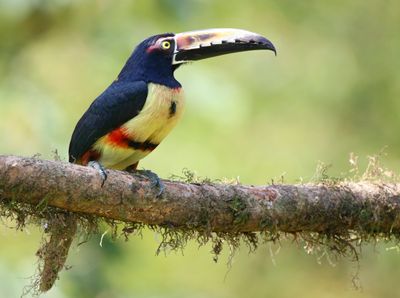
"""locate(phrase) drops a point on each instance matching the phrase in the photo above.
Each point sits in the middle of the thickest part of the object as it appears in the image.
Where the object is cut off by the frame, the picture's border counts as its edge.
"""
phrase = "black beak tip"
(269, 46)
(274, 50)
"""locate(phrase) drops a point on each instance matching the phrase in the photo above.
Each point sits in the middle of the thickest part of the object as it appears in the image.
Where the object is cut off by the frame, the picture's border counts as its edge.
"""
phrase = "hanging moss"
(333, 241)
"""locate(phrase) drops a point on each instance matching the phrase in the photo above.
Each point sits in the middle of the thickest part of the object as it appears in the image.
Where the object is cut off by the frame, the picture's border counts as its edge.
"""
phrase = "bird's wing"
(116, 105)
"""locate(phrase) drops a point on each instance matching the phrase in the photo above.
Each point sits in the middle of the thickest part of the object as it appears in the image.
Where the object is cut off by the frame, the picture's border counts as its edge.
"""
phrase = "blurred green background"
(333, 89)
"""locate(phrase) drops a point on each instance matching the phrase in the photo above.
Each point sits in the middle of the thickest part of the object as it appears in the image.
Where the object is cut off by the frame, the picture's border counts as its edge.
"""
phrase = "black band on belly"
(143, 146)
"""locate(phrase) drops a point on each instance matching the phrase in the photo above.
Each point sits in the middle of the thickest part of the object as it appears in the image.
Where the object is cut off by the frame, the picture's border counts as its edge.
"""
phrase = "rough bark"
(338, 208)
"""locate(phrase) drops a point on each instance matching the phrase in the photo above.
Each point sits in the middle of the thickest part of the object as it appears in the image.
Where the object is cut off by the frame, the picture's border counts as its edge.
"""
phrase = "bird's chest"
(162, 110)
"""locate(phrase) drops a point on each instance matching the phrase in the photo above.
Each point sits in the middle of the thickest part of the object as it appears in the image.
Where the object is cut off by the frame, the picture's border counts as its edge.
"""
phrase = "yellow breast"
(162, 110)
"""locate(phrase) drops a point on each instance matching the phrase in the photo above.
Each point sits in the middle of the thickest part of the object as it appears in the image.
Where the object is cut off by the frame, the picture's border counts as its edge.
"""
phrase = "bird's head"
(156, 58)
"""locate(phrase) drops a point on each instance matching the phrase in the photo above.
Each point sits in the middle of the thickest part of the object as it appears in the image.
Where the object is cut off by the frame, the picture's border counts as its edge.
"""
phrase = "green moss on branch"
(330, 215)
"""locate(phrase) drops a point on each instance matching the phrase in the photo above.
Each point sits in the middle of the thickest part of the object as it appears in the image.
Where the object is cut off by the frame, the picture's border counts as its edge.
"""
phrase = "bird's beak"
(197, 45)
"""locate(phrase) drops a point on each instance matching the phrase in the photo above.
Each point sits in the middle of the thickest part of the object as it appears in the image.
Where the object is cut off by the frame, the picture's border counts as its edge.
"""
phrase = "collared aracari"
(137, 111)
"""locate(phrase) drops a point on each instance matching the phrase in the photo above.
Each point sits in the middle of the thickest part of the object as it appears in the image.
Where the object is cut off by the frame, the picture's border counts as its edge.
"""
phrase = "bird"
(144, 103)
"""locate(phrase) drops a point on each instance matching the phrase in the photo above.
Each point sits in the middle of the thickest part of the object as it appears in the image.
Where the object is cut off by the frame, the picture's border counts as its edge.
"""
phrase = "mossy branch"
(368, 207)
(338, 215)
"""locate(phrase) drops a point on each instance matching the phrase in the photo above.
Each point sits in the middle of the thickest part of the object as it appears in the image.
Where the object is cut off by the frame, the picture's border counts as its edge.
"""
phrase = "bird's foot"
(102, 171)
(155, 180)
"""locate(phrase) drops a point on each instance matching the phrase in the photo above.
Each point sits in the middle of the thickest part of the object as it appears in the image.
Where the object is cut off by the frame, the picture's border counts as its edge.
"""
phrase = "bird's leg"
(153, 177)
(102, 171)
(155, 180)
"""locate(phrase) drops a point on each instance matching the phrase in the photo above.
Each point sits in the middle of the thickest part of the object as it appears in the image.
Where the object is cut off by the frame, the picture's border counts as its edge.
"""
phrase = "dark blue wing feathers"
(118, 104)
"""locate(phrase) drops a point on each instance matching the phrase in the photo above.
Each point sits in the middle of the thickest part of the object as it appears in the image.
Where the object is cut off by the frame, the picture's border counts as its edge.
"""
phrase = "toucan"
(142, 105)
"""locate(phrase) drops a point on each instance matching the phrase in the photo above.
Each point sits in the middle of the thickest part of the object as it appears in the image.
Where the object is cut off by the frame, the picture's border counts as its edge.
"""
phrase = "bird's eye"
(166, 45)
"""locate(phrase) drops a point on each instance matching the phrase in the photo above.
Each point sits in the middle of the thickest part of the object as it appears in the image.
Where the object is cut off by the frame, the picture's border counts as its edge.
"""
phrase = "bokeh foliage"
(333, 89)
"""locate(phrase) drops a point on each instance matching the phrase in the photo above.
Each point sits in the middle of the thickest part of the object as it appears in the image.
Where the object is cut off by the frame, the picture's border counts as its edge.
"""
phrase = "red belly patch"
(118, 137)
(89, 156)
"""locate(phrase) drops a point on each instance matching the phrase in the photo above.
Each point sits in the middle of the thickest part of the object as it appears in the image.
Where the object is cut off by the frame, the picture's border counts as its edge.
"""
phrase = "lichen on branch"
(339, 215)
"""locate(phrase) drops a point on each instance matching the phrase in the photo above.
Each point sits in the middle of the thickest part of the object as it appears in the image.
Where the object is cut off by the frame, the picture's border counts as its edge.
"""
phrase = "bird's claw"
(102, 171)
(155, 180)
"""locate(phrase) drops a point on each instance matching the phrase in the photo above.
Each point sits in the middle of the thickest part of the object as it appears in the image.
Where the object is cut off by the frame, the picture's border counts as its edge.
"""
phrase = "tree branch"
(338, 208)
(335, 214)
